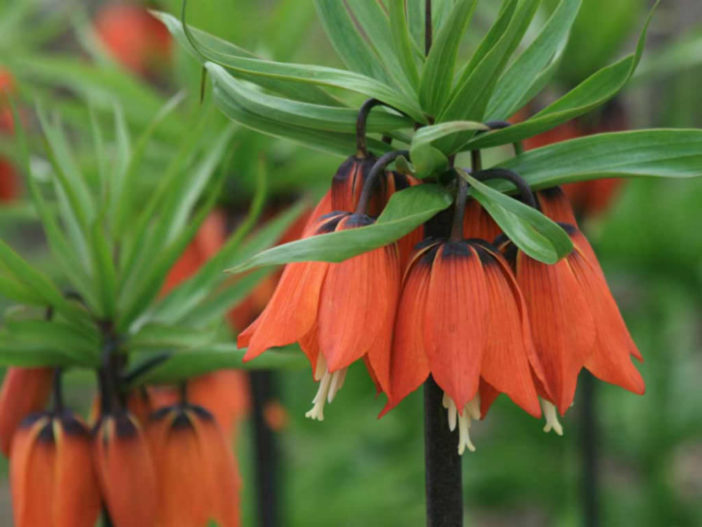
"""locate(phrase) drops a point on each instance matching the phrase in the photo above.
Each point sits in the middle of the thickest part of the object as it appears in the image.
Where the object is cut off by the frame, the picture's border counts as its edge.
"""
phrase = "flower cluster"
(470, 309)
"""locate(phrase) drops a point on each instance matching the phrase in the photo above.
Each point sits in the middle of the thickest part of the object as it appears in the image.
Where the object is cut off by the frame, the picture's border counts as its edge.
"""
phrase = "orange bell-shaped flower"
(462, 319)
(52, 475)
(196, 469)
(126, 471)
(24, 391)
(574, 318)
(338, 312)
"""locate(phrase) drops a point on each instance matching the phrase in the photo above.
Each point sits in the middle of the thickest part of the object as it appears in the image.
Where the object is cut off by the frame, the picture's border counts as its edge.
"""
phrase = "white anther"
(551, 416)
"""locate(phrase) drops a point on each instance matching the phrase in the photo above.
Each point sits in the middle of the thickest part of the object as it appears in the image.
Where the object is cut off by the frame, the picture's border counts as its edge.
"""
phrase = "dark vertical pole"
(266, 450)
(589, 437)
(444, 489)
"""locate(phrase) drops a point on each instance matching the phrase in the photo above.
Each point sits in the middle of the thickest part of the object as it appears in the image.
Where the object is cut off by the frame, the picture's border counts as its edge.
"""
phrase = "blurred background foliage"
(354, 470)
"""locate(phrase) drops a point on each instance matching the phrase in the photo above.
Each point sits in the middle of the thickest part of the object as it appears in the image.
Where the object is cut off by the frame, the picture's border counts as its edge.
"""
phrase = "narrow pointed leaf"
(535, 234)
(427, 159)
(405, 211)
(647, 153)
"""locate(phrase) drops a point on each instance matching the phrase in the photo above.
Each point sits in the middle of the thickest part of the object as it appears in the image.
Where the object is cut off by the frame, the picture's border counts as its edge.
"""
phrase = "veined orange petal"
(506, 364)
(488, 395)
(611, 356)
(357, 306)
(456, 319)
(616, 324)
(562, 325)
(348, 181)
(291, 312)
(223, 393)
(24, 391)
(409, 364)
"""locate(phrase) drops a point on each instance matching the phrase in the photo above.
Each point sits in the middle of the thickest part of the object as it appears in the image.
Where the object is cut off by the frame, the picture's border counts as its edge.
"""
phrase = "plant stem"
(442, 462)
(428, 27)
(588, 449)
(266, 446)
(459, 208)
(372, 179)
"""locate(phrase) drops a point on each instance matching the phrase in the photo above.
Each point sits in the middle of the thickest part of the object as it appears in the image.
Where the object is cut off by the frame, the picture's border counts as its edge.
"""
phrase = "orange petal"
(222, 480)
(556, 205)
(291, 311)
(611, 357)
(24, 391)
(506, 357)
(456, 320)
(616, 325)
(562, 325)
(409, 364)
(178, 459)
(488, 395)
(126, 471)
(477, 223)
(76, 495)
(31, 472)
(357, 308)
(224, 393)
(348, 184)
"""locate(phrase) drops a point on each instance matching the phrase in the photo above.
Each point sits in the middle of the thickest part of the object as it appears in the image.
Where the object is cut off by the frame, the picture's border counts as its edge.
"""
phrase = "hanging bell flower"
(52, 474)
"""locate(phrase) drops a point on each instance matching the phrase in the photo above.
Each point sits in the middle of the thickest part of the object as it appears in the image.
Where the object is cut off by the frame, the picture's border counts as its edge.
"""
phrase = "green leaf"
(470, 98)
(437, 76)
(159, 336)
(405, 211)
(535, 234)
(80, 345)
(185, 364)
(237, 109)
(347, 41)
(524, 72)
(104, 270)
(373, 20)
(38, 283)
(221, 48)
(647, 153)
(590, 94)
(402, 41)
(255, 69)
(428, 160)
(184, 298)
(302, 114)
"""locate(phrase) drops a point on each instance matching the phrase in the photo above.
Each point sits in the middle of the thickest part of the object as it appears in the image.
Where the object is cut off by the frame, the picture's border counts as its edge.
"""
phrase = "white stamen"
(337, 382)
(329, 385)
(551, 416)
(452, 411)
(471, 411)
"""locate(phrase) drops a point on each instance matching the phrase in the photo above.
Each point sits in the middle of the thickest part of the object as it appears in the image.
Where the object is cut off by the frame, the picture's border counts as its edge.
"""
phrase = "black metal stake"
(263, 391)
(444, 492)
(589, 436)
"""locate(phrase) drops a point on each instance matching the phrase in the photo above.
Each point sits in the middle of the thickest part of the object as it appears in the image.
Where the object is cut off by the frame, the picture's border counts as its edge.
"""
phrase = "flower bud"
(194, 466)
(51, 472)
(126, 471)
(24, 391)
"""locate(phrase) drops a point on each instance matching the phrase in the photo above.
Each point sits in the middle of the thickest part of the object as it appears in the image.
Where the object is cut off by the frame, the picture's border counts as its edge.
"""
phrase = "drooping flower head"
(462, 319)
(198, 479)
(338, 312)
(52, 475)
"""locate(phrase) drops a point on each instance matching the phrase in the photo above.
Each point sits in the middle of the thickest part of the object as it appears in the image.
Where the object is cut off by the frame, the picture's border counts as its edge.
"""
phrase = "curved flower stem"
(444, 487)
(523, 187)
(361, 122)
(372, 178)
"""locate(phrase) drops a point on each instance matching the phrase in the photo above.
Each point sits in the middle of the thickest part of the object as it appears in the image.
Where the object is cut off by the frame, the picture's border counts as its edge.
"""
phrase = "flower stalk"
(442, 463)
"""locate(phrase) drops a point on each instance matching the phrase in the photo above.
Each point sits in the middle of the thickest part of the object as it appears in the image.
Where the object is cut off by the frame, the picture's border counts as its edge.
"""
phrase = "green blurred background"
(355, 470)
